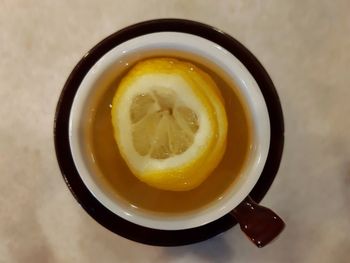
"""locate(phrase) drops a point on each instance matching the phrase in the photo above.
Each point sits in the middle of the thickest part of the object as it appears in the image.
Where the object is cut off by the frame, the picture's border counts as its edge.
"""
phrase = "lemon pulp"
(169, 123)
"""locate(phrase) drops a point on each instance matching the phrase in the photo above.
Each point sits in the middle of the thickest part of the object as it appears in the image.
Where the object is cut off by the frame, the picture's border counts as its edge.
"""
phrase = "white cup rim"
(249, 89)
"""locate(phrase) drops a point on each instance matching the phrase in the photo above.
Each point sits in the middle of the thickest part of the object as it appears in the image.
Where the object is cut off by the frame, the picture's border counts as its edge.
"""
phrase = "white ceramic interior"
(247, 89)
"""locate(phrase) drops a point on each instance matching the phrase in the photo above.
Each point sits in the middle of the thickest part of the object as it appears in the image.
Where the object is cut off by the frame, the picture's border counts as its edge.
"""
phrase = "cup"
(259, 223)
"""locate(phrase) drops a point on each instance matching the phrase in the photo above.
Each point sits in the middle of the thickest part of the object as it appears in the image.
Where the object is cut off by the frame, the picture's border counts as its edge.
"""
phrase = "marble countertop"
(304, 45)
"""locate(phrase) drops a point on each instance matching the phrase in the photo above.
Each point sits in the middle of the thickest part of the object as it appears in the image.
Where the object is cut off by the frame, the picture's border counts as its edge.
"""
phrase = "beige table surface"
(304, 45)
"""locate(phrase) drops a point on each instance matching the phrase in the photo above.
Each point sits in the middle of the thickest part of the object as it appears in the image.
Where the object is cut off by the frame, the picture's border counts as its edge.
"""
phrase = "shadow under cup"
(215, 198)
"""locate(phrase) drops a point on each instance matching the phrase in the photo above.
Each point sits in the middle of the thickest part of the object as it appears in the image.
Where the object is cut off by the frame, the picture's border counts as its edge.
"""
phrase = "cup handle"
(259, 223)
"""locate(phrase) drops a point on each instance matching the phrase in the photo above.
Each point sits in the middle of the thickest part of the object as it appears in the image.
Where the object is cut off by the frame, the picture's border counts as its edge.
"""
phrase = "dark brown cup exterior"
(72, 178)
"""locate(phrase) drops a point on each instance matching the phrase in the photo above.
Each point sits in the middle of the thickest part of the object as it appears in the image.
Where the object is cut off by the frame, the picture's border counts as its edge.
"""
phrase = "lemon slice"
(169, 123)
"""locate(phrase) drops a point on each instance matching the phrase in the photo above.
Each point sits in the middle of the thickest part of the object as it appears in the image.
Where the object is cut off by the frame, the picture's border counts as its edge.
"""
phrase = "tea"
(113, 173)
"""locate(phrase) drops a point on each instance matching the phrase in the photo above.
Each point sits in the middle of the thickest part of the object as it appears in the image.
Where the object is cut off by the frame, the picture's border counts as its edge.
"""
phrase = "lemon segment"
(169, 123)
(210, 88)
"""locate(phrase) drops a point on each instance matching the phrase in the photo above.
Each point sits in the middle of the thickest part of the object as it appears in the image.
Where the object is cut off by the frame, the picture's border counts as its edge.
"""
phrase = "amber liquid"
(113, 172)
